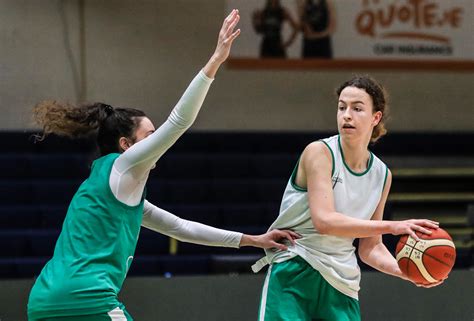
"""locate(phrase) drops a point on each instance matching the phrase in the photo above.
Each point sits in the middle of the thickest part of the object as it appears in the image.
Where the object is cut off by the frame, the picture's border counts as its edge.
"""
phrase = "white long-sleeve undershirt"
(166, 223)
(131, 169)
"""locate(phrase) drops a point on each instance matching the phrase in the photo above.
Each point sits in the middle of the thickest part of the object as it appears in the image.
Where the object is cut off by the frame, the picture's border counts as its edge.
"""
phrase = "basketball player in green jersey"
(99, 235)
(337, 193)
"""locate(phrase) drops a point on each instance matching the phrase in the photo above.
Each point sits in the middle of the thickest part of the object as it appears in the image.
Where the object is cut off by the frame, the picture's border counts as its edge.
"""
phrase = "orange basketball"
(428, 260)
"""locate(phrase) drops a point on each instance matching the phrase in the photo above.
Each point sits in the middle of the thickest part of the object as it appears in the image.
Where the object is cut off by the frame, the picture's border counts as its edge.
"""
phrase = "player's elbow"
(321, 225)
(363, 253)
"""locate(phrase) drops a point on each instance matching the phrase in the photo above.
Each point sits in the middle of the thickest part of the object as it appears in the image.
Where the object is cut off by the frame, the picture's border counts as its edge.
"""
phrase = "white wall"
(143, 53)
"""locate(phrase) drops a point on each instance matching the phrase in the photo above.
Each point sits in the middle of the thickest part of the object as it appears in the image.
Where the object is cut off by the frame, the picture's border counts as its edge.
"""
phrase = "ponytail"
(103, 121)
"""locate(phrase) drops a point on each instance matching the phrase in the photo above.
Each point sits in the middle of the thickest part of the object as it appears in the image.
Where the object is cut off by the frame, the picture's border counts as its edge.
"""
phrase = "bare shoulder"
(316, 154)
(316, 149)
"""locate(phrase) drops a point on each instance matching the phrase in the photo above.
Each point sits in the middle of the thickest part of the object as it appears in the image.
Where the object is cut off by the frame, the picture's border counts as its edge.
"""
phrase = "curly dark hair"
(379, 98)
(103, 121)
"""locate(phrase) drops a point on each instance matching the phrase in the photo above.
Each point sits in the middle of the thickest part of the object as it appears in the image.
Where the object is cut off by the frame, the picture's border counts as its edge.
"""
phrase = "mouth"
(348, 126)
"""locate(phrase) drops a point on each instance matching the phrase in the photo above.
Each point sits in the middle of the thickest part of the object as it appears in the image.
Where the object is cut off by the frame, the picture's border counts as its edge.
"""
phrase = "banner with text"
(356, 29)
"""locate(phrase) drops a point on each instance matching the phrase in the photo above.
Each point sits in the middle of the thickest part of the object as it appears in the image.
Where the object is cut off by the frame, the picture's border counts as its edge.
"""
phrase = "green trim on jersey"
(93, 252)
(332, 157)
(293, 178)
(371, 160)
(385, 179)
(293, 174)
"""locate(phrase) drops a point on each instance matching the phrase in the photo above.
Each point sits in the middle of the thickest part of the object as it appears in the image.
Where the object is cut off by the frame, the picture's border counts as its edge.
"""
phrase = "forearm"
(166, 223)
(338, 224)
(212, 66)
(381, 259)
(249, 240)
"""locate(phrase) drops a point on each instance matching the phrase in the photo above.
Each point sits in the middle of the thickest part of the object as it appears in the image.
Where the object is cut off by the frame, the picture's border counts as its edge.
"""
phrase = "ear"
(124, 143)
(377, 117)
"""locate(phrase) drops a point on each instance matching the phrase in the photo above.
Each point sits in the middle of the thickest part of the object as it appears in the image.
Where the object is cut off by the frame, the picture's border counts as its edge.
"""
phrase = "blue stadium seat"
(152, 243)
(15, 167)
(274, 166)
(43, 242)
(54, 192)
(182, 166)
(20, 216)
(29, 267)
(234, 166)
(233, 191)
(60, 166)
(16, 193)
(207, 213)
(15, 243)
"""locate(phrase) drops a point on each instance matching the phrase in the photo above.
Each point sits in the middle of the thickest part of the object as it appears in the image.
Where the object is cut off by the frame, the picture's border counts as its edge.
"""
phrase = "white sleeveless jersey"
(356, 195)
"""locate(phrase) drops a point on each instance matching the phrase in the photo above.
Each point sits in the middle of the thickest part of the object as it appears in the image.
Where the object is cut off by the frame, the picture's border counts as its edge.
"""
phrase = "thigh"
(285, 293)
(335, 305)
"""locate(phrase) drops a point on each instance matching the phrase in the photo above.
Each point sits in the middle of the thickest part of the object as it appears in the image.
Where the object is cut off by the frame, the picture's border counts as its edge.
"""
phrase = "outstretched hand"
(272, 239)
(226, 36)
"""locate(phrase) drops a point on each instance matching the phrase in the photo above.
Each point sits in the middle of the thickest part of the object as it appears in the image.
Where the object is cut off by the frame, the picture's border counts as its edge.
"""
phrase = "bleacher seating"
(228, 180)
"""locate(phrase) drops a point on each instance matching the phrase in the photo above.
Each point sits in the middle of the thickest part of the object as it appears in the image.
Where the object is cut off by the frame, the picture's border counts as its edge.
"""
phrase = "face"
(355, 116)
(145, 128)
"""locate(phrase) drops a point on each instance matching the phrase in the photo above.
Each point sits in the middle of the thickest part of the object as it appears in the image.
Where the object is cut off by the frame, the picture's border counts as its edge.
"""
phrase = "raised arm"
(131, 168)
(143, 155)
(315, 172)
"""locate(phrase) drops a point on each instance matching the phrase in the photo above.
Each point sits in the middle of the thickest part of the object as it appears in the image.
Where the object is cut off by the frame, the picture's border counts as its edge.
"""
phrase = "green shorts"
(294, 290)
(117, 314)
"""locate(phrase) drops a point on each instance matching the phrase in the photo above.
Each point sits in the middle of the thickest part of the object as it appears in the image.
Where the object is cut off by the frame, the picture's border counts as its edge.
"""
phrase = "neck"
(356, 154)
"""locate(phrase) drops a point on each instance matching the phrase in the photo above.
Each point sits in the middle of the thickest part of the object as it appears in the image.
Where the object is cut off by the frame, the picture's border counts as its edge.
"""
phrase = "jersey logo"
(336, 180)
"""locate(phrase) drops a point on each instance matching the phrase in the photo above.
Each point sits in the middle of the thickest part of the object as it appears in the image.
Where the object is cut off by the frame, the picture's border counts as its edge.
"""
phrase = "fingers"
(229, 18)
(279, 246)
(413, 235)
(232, 24)
(283, 235)
(430, 285)
(421, 229)
(422, 226)
(429, 223)
(234, 35)
(293, 234)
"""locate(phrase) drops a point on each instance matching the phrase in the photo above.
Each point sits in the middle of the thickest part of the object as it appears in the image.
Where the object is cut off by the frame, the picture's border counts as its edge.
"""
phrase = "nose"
(347, 114)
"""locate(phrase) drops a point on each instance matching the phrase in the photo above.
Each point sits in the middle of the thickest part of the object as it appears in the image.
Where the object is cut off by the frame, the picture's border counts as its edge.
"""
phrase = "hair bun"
(108, 109)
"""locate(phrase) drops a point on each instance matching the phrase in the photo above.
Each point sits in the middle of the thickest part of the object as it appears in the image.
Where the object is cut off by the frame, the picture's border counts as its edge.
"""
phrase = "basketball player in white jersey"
(337, 193)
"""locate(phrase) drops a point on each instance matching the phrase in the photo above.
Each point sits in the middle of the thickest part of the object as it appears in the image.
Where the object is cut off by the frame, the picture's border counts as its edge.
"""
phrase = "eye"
(341, 107)
(358, 109)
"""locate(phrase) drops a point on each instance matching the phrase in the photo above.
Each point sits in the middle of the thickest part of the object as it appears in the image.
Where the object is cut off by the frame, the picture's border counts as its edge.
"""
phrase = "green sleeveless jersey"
(93, 252)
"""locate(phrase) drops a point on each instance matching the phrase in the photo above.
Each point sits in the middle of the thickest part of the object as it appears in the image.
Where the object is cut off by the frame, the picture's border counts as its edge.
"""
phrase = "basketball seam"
(434, 258)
